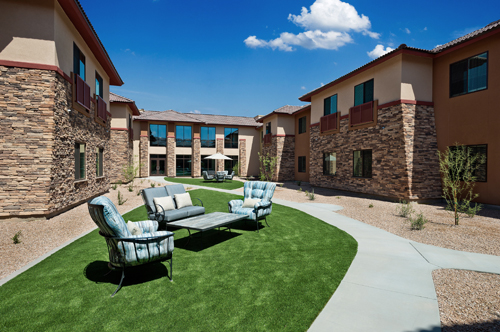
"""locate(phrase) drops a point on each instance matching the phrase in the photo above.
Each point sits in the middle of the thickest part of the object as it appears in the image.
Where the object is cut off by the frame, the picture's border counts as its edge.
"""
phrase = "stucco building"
(54, 108)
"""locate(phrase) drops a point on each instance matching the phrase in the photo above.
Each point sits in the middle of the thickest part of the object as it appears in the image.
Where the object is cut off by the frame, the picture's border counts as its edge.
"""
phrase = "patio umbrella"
(218, 155)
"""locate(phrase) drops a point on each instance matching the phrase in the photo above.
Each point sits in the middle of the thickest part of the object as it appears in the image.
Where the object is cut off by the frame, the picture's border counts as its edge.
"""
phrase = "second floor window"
(207, 137)
(98, 85)
(302, 125)
(157, 135)
(230, 138)
(78, 62)
(363, 93)
(330, 105)
(183, 136)
(268, 128)
(469, 75)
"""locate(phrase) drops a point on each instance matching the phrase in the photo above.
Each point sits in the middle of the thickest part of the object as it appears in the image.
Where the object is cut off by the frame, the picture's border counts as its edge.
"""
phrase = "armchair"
(207, 177)
(125, 249)
(255, 190)
(230, 176)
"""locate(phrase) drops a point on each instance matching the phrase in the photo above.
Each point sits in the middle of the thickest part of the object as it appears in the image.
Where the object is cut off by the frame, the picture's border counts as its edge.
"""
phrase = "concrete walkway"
(389, 285)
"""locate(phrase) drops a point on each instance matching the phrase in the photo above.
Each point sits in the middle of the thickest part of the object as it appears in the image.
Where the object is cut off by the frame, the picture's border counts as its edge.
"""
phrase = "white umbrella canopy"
(218, 155)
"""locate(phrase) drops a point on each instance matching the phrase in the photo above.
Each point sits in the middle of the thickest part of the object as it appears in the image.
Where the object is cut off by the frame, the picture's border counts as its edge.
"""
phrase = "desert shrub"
(16, 237)
(404, 209)
(418, 222)
(121, 201)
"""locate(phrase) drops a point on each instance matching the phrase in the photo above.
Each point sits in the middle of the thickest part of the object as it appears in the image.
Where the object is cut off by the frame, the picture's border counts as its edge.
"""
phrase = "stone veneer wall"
(219, 164)
(171, 157)
(395, 174)
(121, 154)
(196, 157)
(37, 145)
(71, 128)
(144, 156)
(26, 141)
(242, 158)
(285, 150)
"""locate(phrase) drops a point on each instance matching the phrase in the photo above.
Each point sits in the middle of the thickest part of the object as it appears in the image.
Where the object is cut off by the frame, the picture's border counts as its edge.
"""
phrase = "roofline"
(402, 49)
(279, 113)
(200, 122)
(131, 104)
(467, 42)
(307, 108)
(77, 16)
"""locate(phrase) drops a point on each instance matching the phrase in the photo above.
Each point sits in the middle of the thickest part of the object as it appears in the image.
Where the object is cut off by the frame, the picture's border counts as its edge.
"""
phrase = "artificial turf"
(276, 280)
(228, 184)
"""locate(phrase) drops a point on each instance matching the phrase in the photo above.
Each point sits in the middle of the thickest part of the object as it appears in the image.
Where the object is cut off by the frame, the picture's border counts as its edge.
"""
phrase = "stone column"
(196, 158)
(242, 159)
(171, 156)
(144, 156)
(219, 164)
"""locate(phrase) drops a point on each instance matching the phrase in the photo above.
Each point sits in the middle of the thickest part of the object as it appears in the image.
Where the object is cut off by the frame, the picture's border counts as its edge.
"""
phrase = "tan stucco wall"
(302, 146)
(416, 78)
(471, 118)
(286, 125)
(387, 87)
(120, 113)
(252, 148)
(38, 31)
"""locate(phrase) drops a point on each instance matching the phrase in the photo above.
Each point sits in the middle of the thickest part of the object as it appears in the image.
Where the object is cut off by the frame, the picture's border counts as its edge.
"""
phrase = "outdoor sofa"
(161, 213)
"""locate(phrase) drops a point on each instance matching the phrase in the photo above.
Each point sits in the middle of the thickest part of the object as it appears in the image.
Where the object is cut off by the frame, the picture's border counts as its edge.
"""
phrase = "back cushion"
(175, 189)
(150, 193)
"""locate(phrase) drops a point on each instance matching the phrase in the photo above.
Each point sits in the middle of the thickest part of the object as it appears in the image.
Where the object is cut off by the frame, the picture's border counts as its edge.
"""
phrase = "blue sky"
(245, 58)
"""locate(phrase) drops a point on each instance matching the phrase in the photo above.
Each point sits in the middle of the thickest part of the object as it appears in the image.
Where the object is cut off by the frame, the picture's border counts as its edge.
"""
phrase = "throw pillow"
(183, 200)
(166, 203)
(250, 202)
(133, 228)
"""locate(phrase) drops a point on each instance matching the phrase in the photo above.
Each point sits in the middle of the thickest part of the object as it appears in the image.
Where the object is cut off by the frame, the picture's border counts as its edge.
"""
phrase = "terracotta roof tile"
(287, 109)
(113, 97)
(208, 119)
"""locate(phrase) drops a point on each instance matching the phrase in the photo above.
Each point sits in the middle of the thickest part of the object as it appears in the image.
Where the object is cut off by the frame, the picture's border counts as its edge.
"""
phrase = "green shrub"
(114, 186)
(15, 239)
(311, 195)
(370, 206)
(153, 184)
(300, 189)
(418, 222)
(472, 211)
(121, 201)
(236, 169)
(404, 209)
(131, 187)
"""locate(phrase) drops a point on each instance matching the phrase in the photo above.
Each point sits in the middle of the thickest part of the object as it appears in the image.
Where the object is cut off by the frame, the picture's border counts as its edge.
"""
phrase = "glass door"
(157, 164)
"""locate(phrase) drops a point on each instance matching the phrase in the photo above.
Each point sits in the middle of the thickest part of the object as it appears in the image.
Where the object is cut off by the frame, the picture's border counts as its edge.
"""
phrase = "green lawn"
(275, 280)
(228, 185)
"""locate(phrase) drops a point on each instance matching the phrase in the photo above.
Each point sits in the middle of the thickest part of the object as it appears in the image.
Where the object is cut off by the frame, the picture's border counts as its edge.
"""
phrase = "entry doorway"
(157, 164)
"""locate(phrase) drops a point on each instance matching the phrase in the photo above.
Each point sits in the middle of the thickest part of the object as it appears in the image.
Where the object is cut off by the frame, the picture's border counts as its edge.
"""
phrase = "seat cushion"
(173, 215)
(193, 210)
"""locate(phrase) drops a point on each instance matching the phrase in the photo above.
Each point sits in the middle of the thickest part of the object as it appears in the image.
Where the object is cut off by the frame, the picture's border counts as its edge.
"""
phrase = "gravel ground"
(468, 301)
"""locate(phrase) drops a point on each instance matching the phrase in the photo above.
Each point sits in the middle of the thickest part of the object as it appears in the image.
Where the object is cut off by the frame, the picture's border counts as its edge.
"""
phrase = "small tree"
(236, 169)
(130, 171)
(267, 166)
(458, 167)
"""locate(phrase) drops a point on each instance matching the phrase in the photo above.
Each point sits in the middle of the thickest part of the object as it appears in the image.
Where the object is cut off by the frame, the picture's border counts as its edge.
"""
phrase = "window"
(363, 93)
(79, 161)
(98, 161)
(302, 125)
(207, 137)
(157, 135)
(302, 164)
(229, 164)
(98, 85)
(183, 136)
(268, 128)
(469, 75)
(230, 138)
(78, 62)
(207, 164)
(329, 163)
(362, 163)
(330, 105)
(481, 151)
(183, 165)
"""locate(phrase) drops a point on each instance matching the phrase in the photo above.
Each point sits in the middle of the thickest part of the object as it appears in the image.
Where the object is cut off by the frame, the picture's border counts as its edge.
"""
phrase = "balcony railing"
(101, 108)
(361, 114)
(328, 122)
(268, 138)
(82, 92)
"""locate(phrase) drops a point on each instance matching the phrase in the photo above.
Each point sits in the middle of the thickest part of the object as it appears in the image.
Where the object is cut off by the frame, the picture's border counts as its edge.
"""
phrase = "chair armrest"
(262, 205)
(141, 238)
(160, 213)
(234, 204)
(199, 200)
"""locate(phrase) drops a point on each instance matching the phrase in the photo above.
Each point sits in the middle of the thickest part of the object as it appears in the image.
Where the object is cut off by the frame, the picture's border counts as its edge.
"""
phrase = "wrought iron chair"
(125, 249)
(230, 176)
(255, 189)
(207, 177)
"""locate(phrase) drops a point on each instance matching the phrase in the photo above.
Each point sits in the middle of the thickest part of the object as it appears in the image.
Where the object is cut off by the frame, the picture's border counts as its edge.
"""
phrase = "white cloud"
(425, 29)
(327, 25)
(302, 88)
(407, 31)
(195, 112)
(378, 51)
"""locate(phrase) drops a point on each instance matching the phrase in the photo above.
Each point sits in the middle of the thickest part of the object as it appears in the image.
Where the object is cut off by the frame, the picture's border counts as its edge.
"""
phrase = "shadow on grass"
(97, 272)
(199, 241)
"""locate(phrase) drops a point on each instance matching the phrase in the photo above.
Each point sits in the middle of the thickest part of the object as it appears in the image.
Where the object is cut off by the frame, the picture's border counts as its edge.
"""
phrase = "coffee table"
(206, 222)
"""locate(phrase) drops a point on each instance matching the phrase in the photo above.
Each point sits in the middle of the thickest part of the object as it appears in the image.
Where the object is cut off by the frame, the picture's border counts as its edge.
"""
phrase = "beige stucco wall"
(252, 148)
(120, 113)
(38, 31)
(286, 125)
(416, 78)
(387, 87)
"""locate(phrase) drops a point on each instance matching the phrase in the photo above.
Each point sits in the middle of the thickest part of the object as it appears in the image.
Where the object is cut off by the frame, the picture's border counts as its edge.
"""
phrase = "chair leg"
(265, 219)
(171, 271)
(120, 285)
